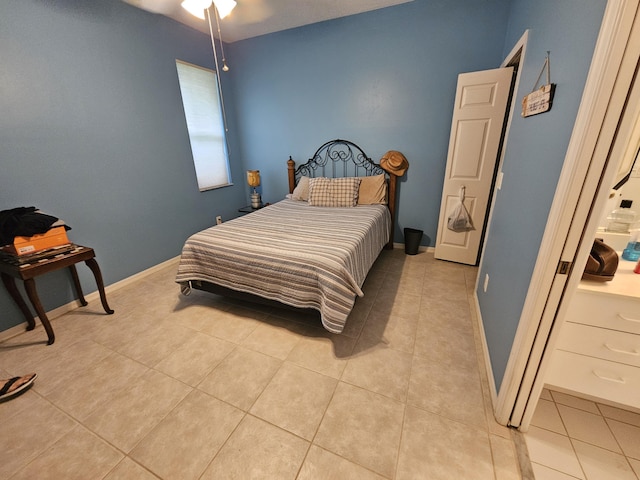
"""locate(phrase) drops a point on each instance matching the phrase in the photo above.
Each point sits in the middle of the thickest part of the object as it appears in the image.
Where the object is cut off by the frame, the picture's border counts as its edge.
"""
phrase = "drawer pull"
(628, 319)
(611, 379)
(618, 350)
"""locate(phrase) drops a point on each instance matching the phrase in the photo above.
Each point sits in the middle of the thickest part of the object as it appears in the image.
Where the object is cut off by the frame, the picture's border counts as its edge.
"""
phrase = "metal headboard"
(339, 158)
(342, 158)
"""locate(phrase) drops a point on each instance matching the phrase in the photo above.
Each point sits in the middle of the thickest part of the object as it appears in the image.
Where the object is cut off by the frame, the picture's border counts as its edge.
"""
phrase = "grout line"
(572, 439)
(357, 337)
(564, 425)
(555, 470)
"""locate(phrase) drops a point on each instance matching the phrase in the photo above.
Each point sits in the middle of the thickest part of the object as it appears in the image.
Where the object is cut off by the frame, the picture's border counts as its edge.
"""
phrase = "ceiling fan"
(198, 7)
(248, 11)
(252, 18)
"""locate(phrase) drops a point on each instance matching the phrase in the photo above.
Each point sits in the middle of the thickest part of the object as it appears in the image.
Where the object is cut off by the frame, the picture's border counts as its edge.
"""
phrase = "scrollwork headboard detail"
(339, 158)
(342, 158)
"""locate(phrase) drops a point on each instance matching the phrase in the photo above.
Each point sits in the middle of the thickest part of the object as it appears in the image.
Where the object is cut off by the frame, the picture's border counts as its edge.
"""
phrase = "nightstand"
(249, 208)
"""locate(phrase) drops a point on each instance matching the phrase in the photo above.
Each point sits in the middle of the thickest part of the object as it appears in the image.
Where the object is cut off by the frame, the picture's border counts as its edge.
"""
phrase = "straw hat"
(394, 162)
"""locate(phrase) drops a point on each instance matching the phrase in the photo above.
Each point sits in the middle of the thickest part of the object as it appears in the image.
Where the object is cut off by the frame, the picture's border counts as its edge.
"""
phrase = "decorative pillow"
(333, 192)
(301, 192)
(373, 190)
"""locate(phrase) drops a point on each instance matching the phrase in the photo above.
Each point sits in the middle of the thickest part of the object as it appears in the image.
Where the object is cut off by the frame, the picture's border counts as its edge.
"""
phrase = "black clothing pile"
(25, 222)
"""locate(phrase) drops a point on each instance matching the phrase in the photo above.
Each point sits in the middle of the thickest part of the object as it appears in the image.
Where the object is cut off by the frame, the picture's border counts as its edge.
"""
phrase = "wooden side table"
(28, 272)
(249, 208)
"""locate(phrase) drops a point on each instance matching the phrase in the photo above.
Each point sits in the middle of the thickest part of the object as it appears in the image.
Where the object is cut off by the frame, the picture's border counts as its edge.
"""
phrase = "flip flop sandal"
(602, 262)
(7, 393)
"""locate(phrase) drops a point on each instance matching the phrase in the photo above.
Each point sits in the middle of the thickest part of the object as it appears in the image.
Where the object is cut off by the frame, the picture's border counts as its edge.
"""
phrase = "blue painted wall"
(533, 158)
(92, 131)
(384, 79)
(92, 127)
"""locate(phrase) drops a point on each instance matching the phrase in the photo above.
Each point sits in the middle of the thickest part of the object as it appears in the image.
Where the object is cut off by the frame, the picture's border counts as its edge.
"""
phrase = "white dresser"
(598, 350)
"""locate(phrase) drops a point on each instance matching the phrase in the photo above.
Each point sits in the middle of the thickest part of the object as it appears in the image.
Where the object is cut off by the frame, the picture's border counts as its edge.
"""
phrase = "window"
(203, 112)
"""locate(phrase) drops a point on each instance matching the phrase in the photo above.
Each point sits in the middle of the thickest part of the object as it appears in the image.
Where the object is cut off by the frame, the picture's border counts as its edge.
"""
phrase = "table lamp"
(253, 179)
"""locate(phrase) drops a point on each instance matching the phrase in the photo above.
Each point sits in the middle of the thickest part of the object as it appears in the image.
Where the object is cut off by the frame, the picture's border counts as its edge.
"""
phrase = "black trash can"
(412, 239)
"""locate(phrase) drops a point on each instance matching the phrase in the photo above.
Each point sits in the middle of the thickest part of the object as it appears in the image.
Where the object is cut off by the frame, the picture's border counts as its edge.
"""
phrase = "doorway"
(603, 120)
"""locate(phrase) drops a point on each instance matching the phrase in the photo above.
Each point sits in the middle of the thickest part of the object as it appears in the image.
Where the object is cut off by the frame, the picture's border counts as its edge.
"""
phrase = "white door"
(476, 131)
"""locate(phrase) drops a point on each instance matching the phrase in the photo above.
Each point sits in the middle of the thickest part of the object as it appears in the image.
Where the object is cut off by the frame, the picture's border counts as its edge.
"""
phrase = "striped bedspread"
(299, 255)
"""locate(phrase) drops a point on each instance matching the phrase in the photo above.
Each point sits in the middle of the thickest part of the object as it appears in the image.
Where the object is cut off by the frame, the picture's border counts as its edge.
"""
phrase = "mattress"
(299, 255)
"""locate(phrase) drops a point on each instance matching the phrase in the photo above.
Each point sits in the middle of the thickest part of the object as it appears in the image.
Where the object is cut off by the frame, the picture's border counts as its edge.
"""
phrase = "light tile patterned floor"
(202, 387)
(573, 438)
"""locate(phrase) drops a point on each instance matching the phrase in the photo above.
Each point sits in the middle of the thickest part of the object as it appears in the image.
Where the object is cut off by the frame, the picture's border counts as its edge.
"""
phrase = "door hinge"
(563, 267)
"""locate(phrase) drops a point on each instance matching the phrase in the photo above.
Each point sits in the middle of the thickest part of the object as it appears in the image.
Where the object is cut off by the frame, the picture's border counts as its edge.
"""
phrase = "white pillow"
(334, 192)
(301, 192)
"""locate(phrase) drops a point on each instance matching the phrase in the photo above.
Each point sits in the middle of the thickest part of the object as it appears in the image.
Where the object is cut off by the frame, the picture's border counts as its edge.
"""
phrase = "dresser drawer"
(601, 343)
(595, 377)
(609, 311)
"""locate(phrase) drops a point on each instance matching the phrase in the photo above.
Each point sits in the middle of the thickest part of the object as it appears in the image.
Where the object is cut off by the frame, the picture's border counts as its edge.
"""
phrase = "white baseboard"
(485, 351)
(13, 331)
(421, 248)
(61, 310)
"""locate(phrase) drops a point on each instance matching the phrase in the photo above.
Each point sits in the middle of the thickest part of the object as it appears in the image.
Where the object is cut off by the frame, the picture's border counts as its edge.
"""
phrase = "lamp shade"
(253, 178)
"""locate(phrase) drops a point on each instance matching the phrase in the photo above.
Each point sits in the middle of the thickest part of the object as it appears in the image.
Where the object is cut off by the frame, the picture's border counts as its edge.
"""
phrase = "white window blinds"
(202, 109)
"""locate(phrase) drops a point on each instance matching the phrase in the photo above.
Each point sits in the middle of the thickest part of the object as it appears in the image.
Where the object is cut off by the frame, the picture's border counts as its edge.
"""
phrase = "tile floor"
(573, 438)
(203, 387)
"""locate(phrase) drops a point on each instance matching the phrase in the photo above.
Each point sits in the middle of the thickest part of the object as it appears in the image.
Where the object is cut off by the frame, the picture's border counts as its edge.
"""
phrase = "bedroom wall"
(92, 127)
(533, 159)
(384, 79)
(92, 131)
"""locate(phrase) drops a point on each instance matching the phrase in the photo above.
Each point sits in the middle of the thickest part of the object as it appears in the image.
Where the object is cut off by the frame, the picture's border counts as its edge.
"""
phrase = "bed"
(306, 251)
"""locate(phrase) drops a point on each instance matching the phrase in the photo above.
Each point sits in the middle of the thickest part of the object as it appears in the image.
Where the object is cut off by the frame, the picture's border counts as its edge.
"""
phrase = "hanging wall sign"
(540, 99)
